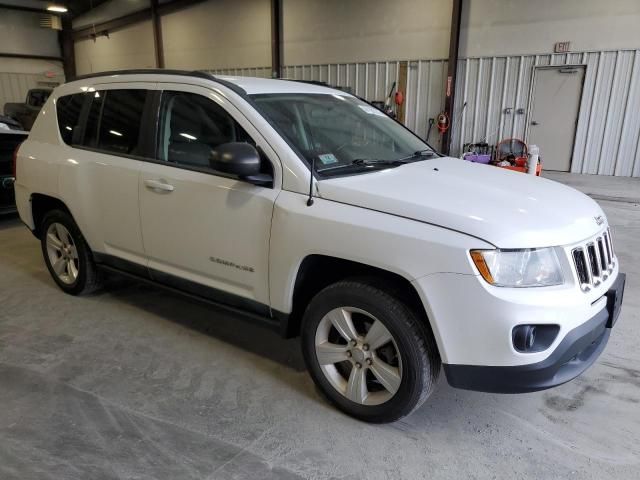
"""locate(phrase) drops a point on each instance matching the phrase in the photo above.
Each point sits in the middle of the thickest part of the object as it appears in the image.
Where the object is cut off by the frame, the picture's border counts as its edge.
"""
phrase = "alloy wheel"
(62, 253)
(358, 356)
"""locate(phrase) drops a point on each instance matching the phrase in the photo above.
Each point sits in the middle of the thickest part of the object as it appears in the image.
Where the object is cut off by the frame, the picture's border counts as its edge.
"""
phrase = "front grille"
(594, 261)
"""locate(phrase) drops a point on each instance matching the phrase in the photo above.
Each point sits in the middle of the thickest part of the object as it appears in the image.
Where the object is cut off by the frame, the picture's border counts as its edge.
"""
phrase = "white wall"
(218, 34)
(520, 27)
(20, 32)
(335, 31)
(131, 47)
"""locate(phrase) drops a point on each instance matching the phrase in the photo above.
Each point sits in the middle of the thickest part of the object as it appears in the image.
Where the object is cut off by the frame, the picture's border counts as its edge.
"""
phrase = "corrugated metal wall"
(608, 130)
(607, 139)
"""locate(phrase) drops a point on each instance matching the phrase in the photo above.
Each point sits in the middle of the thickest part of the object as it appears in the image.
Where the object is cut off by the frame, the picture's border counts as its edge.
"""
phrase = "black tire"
(88, 278)
(413, 338)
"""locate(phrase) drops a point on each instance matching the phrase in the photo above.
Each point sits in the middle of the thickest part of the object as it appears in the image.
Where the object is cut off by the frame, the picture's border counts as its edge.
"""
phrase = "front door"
(203, 231)
(554, 115)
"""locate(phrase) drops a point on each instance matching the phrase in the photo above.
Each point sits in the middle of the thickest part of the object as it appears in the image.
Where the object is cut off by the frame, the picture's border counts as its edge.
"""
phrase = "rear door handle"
(159, 186)
(534, 123)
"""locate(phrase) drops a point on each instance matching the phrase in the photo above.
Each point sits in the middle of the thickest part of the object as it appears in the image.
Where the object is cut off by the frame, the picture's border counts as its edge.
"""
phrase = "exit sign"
(562, 47)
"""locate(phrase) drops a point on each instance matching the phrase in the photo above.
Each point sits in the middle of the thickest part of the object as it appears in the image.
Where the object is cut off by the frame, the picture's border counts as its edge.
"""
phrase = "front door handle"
(159, 186)
(534, 123)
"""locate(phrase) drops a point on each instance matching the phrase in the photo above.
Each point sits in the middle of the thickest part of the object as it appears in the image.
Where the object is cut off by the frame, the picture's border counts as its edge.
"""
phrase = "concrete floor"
(137, 383)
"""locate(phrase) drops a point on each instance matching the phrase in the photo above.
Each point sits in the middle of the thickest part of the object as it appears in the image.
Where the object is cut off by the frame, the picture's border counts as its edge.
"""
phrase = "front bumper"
(578, 350)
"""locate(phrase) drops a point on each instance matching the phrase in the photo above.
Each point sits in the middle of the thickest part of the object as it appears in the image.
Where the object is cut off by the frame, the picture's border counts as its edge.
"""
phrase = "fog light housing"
(533, 338)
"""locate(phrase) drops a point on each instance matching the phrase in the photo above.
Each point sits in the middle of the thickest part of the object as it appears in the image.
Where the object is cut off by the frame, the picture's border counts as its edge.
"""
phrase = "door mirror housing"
(236, 158)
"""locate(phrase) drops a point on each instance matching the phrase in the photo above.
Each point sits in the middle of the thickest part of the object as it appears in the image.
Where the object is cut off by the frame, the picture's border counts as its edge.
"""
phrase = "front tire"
(368, 352)
(67, 255)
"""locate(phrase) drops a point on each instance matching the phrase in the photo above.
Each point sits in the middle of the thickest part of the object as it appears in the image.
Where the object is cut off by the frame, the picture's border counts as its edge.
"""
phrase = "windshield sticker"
(371, 110)
(328, 158)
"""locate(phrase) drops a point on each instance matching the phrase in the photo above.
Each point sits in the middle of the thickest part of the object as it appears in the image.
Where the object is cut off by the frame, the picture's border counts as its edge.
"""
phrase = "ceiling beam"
(30, 57)
(131, 19)
(21, 8)
(175, 6)
(115, 24)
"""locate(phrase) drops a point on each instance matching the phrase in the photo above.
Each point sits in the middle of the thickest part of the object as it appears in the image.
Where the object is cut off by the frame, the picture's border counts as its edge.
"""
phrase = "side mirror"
(236, 158)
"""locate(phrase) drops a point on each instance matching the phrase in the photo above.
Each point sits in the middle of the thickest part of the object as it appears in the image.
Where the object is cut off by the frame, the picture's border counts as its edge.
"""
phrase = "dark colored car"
(9, 140)
(26, 113)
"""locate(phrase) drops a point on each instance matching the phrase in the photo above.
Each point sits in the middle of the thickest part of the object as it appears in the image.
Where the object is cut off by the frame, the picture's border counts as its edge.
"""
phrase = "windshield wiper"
(363, 162)
(371, 162)
(418, 154)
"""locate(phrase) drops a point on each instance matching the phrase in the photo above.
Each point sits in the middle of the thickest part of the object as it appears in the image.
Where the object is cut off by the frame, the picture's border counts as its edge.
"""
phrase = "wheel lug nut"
(358, 365)
(365, 347)
(353, 343)
(369, 361)
(349, 353)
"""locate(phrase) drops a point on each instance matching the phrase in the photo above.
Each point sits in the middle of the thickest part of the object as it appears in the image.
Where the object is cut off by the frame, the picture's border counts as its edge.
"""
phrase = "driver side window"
(191, 126)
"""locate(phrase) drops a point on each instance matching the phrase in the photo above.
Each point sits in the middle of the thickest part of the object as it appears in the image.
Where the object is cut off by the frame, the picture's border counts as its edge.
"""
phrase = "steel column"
(276, 38)
(67, 47)
(452, 67)
(157, 34)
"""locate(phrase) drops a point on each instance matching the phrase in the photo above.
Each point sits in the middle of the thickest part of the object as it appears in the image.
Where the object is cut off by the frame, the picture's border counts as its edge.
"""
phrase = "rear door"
(205, 231)
(115, 144)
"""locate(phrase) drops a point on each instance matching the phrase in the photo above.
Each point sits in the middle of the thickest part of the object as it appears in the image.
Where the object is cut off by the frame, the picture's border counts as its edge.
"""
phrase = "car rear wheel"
(67, 255)
(368, 352)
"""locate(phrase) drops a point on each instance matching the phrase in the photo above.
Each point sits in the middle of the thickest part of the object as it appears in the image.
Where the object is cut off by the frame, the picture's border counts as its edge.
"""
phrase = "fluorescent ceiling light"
(57, 8)
(113, 132)
(190, 137)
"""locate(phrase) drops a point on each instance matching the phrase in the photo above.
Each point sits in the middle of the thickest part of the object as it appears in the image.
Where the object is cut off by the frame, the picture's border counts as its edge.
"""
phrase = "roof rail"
(164, 71)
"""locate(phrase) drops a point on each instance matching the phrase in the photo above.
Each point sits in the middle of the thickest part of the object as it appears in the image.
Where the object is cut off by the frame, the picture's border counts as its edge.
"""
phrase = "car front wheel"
(368, 352)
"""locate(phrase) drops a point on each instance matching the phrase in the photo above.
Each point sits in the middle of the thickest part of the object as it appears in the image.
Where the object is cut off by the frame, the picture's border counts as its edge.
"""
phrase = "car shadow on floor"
(202, 317)
(9, 220)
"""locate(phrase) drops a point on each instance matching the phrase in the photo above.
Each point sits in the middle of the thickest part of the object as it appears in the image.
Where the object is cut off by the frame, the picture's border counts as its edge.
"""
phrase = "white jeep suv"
(309, 209)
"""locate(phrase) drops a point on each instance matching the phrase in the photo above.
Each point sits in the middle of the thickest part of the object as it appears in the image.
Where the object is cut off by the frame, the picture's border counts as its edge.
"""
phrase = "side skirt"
(255, 312)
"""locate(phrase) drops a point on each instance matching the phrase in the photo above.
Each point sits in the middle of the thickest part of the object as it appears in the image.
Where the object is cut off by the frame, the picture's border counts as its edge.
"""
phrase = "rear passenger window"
(191, 126)
(68, 110)
(119, 130)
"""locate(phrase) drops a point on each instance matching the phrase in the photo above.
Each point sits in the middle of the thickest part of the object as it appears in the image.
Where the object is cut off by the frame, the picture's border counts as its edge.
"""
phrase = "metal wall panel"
(261, 72)
(493, 100)
(607, 140)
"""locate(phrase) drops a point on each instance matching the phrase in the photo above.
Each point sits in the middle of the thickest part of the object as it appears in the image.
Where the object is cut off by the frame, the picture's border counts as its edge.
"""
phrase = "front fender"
(399, 245)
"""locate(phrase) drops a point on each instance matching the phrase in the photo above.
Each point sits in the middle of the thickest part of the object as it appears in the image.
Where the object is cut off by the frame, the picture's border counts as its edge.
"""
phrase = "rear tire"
(67, 255)
(368, 352)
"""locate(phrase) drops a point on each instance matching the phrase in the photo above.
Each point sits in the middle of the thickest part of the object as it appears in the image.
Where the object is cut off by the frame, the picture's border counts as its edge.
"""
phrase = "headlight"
(535, 267)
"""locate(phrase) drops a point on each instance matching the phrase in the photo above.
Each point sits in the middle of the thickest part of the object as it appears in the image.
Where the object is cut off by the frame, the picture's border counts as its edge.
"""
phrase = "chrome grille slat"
(613, 253)
(602, 255)
(594, 261)
(580, 261)
(606, 247)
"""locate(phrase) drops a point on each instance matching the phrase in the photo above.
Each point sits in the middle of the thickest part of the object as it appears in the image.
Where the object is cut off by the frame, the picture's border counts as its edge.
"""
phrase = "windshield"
(342, 134)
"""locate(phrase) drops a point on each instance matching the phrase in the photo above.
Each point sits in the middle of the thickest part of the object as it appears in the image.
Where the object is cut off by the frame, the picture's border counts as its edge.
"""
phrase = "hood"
(508, 209)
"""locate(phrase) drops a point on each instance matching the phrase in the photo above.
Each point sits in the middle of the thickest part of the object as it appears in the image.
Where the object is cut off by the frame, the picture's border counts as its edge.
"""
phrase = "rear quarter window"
(68, 110)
